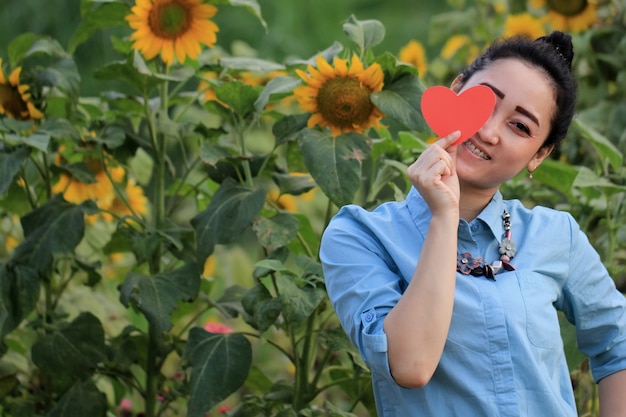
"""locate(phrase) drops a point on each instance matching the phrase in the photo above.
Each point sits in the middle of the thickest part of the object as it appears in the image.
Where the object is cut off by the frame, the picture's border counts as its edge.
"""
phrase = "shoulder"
(557, 225)
(354, 223)
(540, 215)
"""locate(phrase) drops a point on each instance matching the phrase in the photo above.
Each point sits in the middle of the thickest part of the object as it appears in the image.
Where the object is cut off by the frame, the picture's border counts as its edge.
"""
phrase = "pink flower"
(213, 327)
(223, 409)
(126, 404)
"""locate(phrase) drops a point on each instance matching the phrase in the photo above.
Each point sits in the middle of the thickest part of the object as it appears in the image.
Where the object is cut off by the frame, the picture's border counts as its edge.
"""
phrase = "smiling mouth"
(473, 149)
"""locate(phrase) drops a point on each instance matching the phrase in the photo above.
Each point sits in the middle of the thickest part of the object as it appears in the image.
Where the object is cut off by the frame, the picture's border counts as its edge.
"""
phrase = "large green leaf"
(132, 71)
(231, 211)
(103, 15)
(586, 178)
(157, 297)
(365, 33)
(277, 231)
(219, 364)
(19, 293)
(607, 150)
(238, 96)
(557, 175)
(299, 302)
(83, 399)
(57, 227)
(10, 164)
(260, 308)
(278, 85)
(400, 100)
(71, 352)
(335, 162)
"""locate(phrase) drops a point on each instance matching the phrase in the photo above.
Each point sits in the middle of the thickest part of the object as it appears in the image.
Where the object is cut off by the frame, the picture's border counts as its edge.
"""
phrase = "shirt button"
(475, 227)
(369, 317)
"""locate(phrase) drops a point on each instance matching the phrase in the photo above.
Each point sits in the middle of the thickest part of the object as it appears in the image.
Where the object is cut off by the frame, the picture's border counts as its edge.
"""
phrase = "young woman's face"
(512, 138)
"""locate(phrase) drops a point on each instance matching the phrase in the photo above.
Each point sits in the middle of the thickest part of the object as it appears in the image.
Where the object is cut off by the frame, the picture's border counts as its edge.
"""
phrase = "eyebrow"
(518, 109)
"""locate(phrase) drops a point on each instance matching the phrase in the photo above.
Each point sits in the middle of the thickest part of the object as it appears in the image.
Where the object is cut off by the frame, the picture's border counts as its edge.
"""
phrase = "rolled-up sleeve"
(595, 307)
(363, 284)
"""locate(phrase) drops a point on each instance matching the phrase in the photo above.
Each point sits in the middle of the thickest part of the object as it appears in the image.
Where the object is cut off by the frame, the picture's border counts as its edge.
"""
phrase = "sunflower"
(285, 202)
(413, 53)
(523, 24)
(339, 97)
(172, 28)
(458, 43)
(571, 15)
(15, 97)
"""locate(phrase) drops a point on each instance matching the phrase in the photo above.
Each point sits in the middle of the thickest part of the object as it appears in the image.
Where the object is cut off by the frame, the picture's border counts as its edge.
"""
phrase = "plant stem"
(151, 371)
(301, 394)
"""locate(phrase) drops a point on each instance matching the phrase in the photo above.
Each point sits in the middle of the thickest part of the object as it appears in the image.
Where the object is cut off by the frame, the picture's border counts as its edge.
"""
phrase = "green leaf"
(365, 33)
(238, 96)
(335, 162)
(19, 293)
(57, 227)
(157, 297)
(606, 149)
(35, 141)
(293, 184)
(73, 351)
(231, 211)
(10, 164)
(133, 71)
(103, 16)
(83, 399)
(287, 128)
(219, 364)
(557, 175)
(298, 303)
(277, 85)
(19, 46)
(260, 308)
(400, 100)
(59, 128)
(62, 74)
(244, 63)
(586, 178)
(275, 232)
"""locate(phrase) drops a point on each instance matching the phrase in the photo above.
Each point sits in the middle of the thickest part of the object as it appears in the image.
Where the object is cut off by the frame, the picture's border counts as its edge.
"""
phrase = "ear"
(456, 84)
(539, 157)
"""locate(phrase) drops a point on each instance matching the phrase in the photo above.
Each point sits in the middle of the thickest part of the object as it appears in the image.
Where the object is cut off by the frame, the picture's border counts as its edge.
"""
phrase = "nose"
(490, 131)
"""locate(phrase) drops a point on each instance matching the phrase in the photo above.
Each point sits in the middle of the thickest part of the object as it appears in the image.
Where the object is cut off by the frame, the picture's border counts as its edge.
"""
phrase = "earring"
(530, 175)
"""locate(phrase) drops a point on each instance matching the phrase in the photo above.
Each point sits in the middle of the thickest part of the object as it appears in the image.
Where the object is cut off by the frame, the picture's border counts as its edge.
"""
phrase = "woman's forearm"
(612, 393)
(417, 327)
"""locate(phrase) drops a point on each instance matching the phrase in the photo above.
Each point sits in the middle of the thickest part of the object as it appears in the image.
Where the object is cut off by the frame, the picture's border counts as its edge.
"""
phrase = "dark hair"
(553, 55)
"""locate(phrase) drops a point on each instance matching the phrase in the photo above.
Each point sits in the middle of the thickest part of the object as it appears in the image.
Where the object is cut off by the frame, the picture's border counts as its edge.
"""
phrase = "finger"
(449, 140)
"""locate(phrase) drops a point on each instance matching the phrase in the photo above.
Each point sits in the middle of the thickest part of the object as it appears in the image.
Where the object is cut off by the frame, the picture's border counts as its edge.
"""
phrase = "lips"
(473, 149)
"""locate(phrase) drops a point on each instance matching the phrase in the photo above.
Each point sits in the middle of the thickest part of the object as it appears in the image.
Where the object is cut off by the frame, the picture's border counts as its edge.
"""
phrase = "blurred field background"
(296, 28)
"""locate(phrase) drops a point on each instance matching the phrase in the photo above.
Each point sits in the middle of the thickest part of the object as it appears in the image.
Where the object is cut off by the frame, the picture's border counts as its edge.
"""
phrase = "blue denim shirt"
(504, 354)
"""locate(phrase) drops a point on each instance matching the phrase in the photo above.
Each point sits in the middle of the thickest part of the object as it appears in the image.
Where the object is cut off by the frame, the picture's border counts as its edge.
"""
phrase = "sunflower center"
(568, 7)
(170, 19)
(11, 101)
(344, 102)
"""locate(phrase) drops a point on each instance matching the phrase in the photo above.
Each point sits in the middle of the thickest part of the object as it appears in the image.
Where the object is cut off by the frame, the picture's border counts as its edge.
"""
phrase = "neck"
(473, 201)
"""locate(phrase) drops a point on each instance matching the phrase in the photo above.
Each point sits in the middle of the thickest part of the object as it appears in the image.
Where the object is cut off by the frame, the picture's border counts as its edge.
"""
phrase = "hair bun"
(562, 43)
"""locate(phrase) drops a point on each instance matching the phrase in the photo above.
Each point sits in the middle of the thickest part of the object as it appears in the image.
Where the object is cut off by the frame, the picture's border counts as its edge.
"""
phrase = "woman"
(446, 333)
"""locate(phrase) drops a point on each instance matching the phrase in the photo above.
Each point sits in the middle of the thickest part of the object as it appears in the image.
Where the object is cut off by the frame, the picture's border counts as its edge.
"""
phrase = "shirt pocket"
(539, 292)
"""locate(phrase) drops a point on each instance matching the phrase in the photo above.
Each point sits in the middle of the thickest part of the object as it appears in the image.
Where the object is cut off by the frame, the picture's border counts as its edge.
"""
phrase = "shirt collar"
(491, 214)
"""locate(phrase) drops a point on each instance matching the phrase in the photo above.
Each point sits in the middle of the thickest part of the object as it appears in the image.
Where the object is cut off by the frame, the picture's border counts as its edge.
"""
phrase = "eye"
(522, 127)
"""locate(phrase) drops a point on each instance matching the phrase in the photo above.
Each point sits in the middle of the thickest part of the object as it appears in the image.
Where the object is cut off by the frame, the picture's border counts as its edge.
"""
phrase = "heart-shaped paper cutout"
(446, 112)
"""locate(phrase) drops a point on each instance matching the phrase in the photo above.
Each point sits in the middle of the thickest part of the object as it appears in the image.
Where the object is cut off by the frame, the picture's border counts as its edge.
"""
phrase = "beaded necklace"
(468, 265)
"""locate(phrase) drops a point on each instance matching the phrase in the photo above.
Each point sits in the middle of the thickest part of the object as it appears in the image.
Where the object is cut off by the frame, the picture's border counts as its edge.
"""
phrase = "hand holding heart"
(446, 112)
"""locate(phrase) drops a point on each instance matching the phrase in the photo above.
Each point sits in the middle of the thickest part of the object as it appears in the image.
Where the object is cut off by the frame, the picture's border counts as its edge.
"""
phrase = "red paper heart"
(446, 112)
